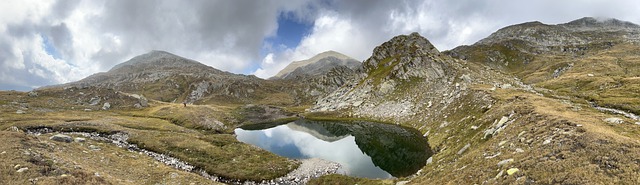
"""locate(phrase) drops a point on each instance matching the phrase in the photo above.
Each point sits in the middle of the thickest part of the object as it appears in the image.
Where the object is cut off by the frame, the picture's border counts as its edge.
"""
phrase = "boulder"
(80, 140)
(106, 106)
(61, 138)
(32, 94)
(614, 120)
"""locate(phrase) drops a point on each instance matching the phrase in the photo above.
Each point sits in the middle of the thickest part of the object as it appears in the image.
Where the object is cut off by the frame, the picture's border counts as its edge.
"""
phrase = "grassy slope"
(166, 128)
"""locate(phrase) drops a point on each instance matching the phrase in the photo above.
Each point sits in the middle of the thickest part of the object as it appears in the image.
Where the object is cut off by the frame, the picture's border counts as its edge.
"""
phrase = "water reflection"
(364, 149)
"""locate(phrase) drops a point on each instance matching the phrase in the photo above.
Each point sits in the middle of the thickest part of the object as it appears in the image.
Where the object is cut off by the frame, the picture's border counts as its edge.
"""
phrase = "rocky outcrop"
(405, 76)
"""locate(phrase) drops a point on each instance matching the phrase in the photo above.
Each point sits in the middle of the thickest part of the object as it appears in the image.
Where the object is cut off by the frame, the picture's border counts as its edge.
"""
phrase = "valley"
(531, 104)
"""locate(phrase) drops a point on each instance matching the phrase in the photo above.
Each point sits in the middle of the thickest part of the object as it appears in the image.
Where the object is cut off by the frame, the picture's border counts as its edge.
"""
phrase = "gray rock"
(547, 141)
(20, 112)
(502, 121)
(430, 160)
(106, 106)
(80, 140)
(402, 182)
(94, 147)
(22, 170)
(137, 106)
(32, 94)
(614, 120)
(504, 162)
(590, 75)
(61, 138)
(519, 150)
(94, 101)
(357, 103)
(463, 149)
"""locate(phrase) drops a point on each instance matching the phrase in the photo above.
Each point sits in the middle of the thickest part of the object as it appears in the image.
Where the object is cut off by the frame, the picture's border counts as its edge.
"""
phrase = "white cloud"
(94, 35)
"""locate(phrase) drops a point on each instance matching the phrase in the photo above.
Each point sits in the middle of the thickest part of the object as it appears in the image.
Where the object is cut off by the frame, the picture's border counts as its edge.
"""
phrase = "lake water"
(364, 149)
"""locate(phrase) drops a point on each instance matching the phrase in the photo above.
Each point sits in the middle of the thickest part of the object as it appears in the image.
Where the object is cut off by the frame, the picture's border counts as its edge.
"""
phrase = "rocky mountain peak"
(399, 51)
(412, 44)
(158, 58)
(601, 23)
(317, 65)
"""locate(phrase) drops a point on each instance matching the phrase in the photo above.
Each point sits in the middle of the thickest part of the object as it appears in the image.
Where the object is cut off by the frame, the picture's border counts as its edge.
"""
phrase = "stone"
(590, 75)
(22, 170)
(94, 147)
(137, 106)
(519, 150)
(614, 120)
(463, 149)
(547, 141)
(106, 106)
(430, 160)
(500, 174)
(3, 152)
(637, 123)
(512, 171)
(504, 162)
(357, 103)
(87, 110)
(20, 112)
(502, 143)
(473, 127)
(502, 121)
(61, 138)
(80, 140)
(32, 94)
(402, 182)
(94, 101)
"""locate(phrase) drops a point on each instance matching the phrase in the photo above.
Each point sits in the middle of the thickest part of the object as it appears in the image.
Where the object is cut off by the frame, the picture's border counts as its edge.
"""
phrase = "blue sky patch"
(49, 48)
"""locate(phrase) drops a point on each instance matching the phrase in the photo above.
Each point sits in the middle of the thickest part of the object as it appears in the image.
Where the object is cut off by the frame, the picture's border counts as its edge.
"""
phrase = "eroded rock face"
(407, 75)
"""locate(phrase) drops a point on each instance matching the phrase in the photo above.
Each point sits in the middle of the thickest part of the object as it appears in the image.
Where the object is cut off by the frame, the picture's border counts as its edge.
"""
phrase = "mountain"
(167, 77)
(529, 99)
(582, 58)
(317, 65)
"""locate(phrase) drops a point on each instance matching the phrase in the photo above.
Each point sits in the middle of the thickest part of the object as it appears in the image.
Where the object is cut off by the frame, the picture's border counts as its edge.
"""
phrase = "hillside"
(532, 103)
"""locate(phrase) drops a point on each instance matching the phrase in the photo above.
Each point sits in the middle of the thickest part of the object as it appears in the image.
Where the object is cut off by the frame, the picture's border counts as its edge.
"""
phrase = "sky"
(47, 42)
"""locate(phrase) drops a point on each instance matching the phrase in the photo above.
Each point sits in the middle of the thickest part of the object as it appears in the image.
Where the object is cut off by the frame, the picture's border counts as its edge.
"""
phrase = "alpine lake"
(363, 149)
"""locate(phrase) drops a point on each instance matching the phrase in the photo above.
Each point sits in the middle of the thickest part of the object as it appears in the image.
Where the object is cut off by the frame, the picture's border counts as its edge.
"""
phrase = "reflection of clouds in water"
(344, 151)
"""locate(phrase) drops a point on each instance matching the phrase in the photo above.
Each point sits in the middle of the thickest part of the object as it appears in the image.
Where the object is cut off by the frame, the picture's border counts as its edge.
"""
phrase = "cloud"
(356, 27)
(89, 36)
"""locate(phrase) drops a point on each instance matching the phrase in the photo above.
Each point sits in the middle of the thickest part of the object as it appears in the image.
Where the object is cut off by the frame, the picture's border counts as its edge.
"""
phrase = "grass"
(165, 128)
(341, 179)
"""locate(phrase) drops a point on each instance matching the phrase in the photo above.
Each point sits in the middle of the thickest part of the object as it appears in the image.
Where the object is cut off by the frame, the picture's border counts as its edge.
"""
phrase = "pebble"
(546, 141)
(519, 150)
(500, 174)
(430, 160)
(503, 162)
(512, 171)
(79, 139)
(22, 170)
(463, 149)
(94, 147)
(3, 152)
(502, 143)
